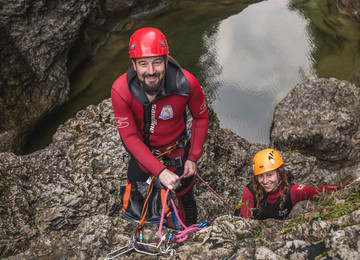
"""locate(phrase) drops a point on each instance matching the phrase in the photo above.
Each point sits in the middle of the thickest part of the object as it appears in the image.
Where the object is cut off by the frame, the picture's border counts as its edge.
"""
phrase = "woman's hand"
(354, 181)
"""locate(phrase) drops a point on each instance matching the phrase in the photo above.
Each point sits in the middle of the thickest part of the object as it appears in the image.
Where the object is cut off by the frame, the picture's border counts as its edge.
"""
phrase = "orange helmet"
(266, 160)
(147, 42)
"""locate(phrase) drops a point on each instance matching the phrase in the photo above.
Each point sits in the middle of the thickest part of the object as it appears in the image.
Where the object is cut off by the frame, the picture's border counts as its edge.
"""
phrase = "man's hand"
(189, 168)
(169, 179)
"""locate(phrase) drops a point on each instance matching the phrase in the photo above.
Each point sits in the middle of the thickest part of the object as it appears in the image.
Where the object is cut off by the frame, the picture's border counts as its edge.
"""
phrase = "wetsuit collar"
(175, 83)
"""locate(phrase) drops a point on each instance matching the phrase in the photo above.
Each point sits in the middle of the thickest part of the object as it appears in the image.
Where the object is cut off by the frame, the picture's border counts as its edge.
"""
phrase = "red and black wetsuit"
(145, 127)
(271, 203)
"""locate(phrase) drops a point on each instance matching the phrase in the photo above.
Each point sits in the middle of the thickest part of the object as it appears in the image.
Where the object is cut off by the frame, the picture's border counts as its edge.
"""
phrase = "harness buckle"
(178, 161)
(156, 153)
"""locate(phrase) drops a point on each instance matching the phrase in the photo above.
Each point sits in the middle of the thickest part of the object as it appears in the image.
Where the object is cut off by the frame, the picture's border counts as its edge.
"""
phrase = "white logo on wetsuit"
(153, 119)
(203, 107)
(121, 122)
(283, 212)
(166, 113)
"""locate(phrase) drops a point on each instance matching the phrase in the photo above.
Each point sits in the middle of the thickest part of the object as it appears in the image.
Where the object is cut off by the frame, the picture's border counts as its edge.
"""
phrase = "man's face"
(151, 73)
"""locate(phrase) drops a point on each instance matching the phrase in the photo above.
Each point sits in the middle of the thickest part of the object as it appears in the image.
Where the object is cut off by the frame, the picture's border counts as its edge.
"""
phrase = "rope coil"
(135, 241)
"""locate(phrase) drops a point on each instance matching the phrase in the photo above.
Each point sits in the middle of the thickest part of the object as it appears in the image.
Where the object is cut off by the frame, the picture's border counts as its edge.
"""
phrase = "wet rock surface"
(37, 39)
(36, 36)
(351, 6)
(63, 202)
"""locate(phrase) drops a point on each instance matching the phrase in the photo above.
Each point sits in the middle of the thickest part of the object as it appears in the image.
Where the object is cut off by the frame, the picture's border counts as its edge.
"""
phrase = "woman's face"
(268, 180)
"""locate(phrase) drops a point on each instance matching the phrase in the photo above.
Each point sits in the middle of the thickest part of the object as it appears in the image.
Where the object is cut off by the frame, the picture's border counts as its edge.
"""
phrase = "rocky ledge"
(63, 202)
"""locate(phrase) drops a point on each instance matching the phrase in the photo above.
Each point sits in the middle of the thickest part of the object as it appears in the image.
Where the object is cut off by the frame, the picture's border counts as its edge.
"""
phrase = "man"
(149, 103)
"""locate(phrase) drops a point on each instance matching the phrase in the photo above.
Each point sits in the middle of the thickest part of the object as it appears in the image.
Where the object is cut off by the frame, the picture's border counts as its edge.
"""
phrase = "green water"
(246, 57)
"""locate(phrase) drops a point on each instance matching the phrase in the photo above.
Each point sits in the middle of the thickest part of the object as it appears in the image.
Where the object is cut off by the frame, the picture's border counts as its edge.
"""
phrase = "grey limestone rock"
(320, 118)
(63, 202)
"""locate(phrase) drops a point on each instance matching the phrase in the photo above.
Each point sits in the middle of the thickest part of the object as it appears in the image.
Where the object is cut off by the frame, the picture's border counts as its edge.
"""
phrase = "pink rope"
(207, 185)
(163, 213)
(183, 235)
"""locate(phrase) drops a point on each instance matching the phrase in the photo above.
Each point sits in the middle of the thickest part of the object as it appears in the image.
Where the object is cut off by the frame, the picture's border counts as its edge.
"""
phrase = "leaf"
(313, 215)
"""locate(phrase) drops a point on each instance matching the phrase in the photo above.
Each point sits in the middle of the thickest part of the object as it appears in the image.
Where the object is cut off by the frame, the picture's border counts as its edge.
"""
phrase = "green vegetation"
(291, 151)
(334, 205)
(323, 253)
(245, 204)
(328, 206)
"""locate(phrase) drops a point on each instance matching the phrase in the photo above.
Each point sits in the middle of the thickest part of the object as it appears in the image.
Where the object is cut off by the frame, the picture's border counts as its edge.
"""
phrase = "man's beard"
(153, 88)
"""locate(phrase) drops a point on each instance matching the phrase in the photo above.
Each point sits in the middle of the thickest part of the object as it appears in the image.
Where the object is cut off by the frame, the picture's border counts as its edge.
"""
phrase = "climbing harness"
(162, 247)
(181, 142)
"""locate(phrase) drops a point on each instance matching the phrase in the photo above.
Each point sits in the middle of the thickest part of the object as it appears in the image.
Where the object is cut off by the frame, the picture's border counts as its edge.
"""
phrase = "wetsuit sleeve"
(199, 128)
(300, 192)
(248, 200)
(126, 126)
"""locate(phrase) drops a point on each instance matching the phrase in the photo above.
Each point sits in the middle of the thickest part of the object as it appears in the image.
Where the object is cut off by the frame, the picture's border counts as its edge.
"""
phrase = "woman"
(270, 195)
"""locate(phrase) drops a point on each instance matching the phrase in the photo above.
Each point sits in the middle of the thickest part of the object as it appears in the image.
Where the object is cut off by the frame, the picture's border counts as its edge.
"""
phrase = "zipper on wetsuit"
(147, 123)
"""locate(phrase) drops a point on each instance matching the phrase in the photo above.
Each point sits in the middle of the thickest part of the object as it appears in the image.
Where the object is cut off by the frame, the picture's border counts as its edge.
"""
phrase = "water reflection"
(336, 38)
(261, 58)
(261, 53)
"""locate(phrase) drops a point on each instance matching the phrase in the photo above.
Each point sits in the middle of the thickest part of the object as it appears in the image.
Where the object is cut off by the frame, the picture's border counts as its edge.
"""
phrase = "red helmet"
(147, 42)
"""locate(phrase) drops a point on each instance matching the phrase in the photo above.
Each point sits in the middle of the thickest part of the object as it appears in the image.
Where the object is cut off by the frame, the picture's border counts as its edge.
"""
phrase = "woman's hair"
(260, 191)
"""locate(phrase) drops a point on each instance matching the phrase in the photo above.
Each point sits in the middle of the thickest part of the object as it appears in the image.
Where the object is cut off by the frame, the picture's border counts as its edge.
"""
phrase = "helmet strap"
(165, 60)
(277, 186)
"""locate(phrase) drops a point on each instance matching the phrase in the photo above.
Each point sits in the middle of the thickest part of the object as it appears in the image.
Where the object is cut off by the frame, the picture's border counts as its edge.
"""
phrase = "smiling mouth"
(151, 78)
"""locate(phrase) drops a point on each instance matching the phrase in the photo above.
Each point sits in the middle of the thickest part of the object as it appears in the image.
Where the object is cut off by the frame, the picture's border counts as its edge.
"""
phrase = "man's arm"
(199, 112)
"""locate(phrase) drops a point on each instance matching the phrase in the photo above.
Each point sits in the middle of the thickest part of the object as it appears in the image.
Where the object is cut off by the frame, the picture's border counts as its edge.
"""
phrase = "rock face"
(351, 6)
(36, 39)
(320, 118)
(78, 177)
(36, 36)
(63, 202)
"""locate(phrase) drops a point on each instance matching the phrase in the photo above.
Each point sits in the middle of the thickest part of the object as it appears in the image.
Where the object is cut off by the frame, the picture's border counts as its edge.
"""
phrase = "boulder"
(320, 118)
